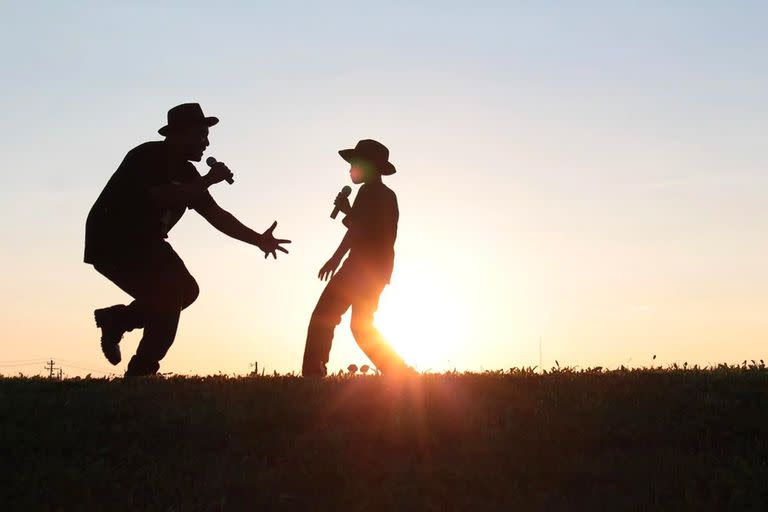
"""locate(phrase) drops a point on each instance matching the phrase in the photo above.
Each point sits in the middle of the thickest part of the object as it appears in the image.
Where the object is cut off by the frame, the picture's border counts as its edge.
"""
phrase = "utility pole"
(255, 371)
(51, 367)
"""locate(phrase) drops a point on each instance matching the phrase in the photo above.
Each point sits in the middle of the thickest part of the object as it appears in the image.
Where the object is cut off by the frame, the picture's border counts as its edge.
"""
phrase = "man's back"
(124, 217)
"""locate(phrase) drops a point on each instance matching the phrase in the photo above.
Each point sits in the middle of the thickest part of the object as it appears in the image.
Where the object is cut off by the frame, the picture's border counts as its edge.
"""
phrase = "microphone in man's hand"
(211, 162)
(344, 193)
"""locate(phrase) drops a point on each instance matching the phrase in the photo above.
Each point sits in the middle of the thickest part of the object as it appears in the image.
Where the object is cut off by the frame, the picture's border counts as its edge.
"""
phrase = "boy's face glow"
(357, 174)
(360, 172)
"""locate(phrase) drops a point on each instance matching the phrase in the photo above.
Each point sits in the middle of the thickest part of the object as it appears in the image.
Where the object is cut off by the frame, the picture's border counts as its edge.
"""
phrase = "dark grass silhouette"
(565, 440)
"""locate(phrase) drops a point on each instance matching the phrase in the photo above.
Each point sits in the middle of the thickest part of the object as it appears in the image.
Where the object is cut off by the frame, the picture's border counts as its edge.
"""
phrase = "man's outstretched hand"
(269, 244)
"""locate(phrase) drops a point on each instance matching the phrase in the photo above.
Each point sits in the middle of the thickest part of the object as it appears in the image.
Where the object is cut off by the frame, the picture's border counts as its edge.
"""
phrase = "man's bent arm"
(225, 222)
(174, 195)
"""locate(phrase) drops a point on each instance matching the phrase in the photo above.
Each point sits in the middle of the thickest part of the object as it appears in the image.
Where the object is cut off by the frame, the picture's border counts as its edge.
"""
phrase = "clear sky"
(593, 176)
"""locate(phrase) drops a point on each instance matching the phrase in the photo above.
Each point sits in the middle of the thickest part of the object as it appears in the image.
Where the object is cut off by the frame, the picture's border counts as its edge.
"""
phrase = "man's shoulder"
(148, 150)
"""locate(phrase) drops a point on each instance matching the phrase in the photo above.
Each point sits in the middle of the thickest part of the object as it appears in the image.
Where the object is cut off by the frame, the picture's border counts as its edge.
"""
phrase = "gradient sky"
(593, 176)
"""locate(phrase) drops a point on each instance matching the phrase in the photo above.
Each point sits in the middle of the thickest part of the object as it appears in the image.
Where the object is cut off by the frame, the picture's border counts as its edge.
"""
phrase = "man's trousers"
(157, 279)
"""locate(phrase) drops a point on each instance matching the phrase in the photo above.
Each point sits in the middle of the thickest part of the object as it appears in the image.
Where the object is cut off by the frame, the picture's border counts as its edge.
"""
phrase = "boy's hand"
(342, 203)
(327, 271)
(269, 244)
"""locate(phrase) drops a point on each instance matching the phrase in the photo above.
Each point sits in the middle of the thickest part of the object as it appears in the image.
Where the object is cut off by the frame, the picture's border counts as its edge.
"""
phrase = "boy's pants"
(351, 286)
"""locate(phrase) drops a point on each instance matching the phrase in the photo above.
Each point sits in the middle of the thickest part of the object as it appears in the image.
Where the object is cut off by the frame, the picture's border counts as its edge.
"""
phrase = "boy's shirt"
(372, 223)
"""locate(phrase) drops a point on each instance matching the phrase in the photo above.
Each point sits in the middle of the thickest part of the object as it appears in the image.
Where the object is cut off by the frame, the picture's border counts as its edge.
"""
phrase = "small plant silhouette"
(364, 369)
(352, 369)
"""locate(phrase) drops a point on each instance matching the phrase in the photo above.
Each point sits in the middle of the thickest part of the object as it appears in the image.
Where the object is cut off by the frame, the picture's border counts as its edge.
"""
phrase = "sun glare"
(423, 321)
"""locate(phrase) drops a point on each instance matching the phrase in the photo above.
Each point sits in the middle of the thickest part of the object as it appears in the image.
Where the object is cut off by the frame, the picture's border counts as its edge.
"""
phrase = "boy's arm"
(327, 270)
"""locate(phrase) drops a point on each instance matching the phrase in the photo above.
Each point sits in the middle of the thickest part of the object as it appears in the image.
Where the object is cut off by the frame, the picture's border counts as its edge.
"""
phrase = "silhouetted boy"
(127, 226)
(370, 238)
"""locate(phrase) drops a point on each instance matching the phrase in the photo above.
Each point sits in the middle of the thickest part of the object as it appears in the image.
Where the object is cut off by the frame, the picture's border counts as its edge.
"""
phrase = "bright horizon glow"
(424, 320)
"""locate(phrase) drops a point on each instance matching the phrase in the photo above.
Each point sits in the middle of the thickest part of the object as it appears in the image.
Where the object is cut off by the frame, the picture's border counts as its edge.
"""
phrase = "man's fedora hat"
(186, 115)
(371, 151)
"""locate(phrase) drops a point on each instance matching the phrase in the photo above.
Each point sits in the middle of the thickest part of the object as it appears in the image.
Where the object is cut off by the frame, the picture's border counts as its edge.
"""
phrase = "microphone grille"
(346, 191)
(210, 161)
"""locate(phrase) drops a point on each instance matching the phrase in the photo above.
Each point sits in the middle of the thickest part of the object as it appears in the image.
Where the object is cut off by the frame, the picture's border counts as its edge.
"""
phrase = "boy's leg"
(333, 302)
(368, 338)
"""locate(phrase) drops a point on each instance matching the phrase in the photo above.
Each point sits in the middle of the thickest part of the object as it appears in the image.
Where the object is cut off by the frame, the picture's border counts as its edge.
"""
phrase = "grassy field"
(658, 439)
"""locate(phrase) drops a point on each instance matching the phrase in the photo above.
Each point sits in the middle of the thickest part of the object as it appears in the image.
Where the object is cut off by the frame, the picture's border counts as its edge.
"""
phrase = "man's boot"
(112, 325)
(140, 368)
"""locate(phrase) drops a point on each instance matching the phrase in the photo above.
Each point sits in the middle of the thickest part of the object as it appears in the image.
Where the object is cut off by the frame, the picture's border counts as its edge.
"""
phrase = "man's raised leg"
(114, 321)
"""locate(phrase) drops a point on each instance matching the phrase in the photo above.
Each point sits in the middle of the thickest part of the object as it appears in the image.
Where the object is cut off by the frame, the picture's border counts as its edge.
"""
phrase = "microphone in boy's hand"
(211, 162)
(345, 192)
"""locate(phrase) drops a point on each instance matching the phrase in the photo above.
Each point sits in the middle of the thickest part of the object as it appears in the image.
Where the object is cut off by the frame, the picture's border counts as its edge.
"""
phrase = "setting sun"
(422, 319)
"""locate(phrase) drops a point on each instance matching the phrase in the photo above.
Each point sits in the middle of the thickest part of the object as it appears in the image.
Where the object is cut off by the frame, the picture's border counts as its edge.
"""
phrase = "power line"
(22, 364)
(51, 368)
(80, 366)
(88, 369)
(22, 361)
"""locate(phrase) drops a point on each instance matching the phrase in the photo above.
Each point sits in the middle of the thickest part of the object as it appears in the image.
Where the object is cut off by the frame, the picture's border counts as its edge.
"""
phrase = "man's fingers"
(283, 249)
(271, 228)
(281, 241)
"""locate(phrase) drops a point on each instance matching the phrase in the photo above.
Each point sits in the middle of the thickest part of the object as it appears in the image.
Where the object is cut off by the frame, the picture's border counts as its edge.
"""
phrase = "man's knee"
(174, 295)
(191, 292)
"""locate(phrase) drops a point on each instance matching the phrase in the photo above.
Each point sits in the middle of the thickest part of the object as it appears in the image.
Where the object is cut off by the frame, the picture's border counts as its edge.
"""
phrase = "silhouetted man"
(127, 226)
(370, 239)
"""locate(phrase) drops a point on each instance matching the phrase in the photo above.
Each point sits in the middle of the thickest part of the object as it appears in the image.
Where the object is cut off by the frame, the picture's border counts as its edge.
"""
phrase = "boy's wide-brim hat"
(187, 115)
(370, 151)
